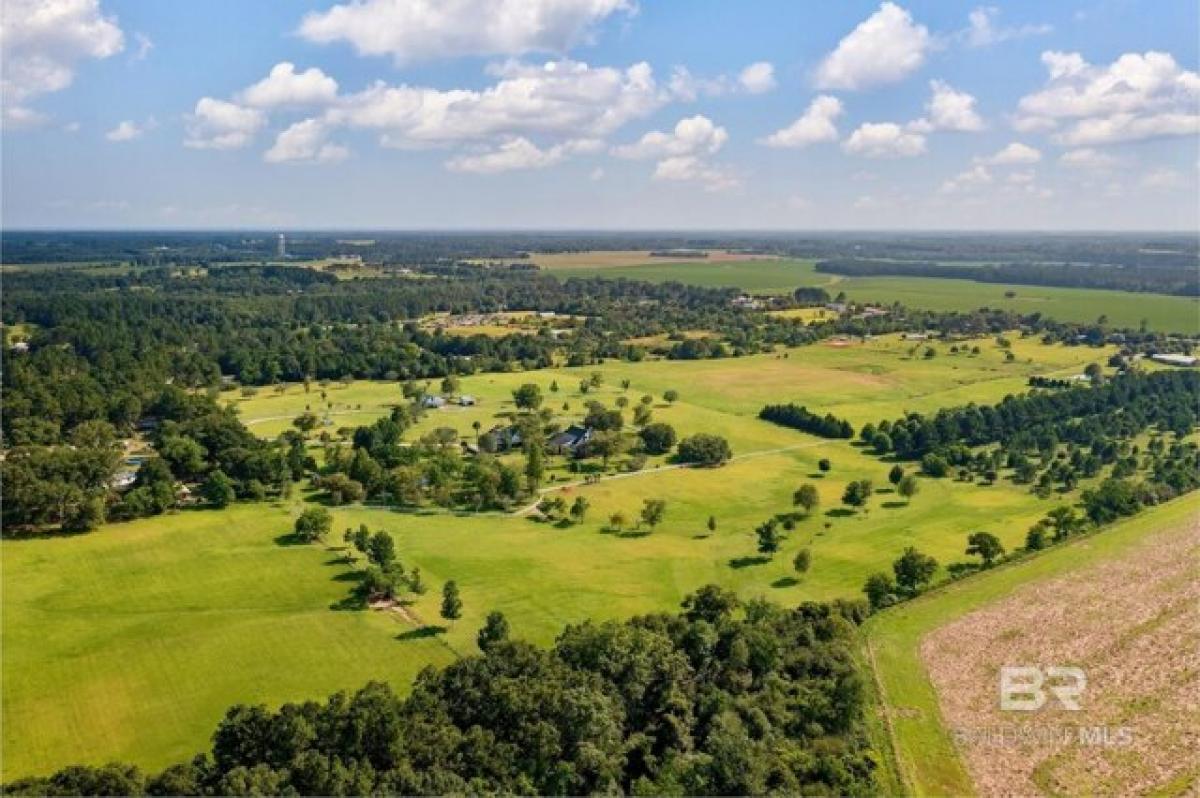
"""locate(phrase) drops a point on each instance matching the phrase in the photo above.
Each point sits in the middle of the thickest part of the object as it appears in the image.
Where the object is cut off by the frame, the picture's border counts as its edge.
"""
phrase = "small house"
(501, 439)
(570, 440)
(431, 401)
(466, 401)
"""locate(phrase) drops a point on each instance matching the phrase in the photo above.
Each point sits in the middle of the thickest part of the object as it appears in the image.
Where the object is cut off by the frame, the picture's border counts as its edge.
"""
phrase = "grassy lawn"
(1125, 309)
(149, 630)
(132, 642)
(927, 759)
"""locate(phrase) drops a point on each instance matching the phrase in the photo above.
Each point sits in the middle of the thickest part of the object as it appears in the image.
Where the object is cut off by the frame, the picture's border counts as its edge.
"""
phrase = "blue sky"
(601, 114)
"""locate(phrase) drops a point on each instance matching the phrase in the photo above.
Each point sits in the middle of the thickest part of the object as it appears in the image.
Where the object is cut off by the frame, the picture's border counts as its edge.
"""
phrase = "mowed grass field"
(1125, 309)
(925, 753)
(130, 642)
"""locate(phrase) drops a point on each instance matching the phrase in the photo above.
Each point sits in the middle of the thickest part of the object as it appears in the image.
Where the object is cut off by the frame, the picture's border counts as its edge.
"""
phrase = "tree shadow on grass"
(893, 505)
(345, 559)
(839, 512)
(703, 536)
(625, 533)
(817, 475)
(290, 539)
(351, 603)
(785, 581)
(423, 633)
(745, 562)
(348, 576)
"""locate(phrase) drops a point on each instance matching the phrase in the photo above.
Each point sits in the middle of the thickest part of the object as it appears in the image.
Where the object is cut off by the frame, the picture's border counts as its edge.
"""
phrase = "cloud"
(563, 99)
(305, 141)
(520, 153)
(983, 30)
(1163, 179)
(1014, 154)
(758, 78)
(1138, 96)
(977, 175)
(144, 46)
(285, 87)
(682, 152)
(885, 47)
(884, 140)
(692, 136)
(41, 42)
(692, 169)
(128, 130)
(1087, 158)
(948, 109)
(815, 125)
(418, 30)
(220, 125)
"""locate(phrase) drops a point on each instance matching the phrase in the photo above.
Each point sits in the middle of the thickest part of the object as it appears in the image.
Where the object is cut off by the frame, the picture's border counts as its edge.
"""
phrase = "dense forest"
(721, 699)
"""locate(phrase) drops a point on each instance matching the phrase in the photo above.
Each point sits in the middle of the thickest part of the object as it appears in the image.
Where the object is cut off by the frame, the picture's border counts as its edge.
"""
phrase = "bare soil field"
(1133, 626)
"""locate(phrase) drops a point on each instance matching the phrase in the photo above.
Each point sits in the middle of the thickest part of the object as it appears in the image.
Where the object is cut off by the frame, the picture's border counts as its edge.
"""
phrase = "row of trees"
(803, 419)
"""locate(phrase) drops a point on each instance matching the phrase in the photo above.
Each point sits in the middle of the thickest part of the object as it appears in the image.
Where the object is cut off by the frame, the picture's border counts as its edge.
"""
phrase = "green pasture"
(131, 643)
(923, 749)
(1123, 308)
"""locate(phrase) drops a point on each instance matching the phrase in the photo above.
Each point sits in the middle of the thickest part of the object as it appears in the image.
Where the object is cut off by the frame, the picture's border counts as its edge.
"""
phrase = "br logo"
(1025, 688)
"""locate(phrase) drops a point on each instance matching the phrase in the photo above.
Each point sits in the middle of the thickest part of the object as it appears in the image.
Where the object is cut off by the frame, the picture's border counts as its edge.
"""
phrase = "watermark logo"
(1027, 688)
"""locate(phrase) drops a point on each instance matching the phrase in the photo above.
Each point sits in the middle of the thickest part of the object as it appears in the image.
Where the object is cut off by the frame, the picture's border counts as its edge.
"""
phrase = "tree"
(653, 511)
(913, 570)
(451, 602)
(896, 474)
(313, 524)
(807, 497)
(381, 549)
(802, 561)
(617, 521)
(495, 630)
(218, 490)
(85, 517)
(642, 415)
(606, 445)
(306, 421)
(880, 590)
(528, 396)
(857, 493)
(1035, 538)
(907, 487)
(935, 465)
(361, 538)
(450, 385)
(824, 465)
(1063, 521)
(769, 537)
(579, 509)
(986, 546)
(657, 438)
(712, 523)
(711, 604)
(535, 466)
(671, 396)
(704, 449)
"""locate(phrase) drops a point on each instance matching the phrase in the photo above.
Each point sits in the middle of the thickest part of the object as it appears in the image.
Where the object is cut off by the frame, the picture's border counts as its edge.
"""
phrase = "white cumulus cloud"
(884, 140)
(221, 125)
(948, 109)
(305, 141)
(1138, 96)
(128, 130)
(285, 87)
(41, 44)
(417, 30)
(815, 125)
(693, 169)
(885, 47)
(1013, 154)
(976, 176)
(758, 78)
(692, 136)
(1087, 158)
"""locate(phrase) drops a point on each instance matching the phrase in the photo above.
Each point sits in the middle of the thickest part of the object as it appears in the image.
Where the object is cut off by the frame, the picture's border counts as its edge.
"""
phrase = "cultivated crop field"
(149, 630)
(1075, 603)
(1124, 309)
